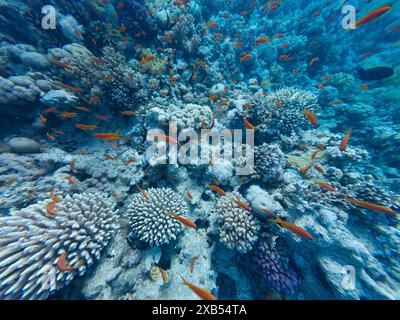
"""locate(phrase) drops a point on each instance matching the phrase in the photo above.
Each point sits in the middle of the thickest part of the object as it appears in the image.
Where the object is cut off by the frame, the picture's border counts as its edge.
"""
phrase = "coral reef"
(79, 103)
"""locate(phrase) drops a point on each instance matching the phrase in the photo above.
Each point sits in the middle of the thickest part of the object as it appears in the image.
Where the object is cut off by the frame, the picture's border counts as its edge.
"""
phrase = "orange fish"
(50, 110)
(107, 136)
(146, 59)
(129, 161)
(266, 211)
(364, 87)
(192, 263)
(212, 24)
(42, 119)
(167, 139)
(246, 57)
(93, 99)
(217, 189)
(58, 131)
(326, 186)
(71, 180)
(117, 197)
(213, 98)
(189, 194)
(238, 44)
(109, 157)
(51, 208)
(102, 118)
(62, 64)
(107, 78)
(248, 124)
(319, 169)
(305, 169)
(86, 127)
(345, 141)
(204, 294)
(51, 137)
(241, 204)
(144, 193)
(263, 40)
(373, 15)
(76, 89)
(285, 57)
(62, 263)
(164, 275)
(311, 117)
(127, 113)
(336, 102)
(370, 206)
(293, 228)
(122, 28)
(315, 154)
(97, 60)
(184, 220)
(68, 115)
(83, 109)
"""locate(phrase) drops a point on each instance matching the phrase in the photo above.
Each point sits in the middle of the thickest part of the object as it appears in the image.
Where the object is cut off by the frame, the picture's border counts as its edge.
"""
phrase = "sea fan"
(150, 217)
(32, 242)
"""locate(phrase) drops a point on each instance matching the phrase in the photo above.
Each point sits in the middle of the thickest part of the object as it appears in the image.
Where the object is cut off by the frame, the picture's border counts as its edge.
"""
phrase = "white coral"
(150, 217)
(32, 241)
(238, 227)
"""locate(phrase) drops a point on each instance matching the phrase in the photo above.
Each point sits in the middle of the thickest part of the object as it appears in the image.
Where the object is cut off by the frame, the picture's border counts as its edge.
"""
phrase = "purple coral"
(274, 269)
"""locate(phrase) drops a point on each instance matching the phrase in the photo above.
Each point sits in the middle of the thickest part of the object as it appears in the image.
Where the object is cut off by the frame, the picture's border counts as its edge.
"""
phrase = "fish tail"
(183, 279)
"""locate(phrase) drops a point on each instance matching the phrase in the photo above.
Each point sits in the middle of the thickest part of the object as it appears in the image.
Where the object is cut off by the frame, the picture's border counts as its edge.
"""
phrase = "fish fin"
(183, 279)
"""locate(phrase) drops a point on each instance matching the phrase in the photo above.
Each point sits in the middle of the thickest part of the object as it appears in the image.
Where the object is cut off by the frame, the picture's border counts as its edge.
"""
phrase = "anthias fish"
(62, 264)
(202, 293)
(373, 15)
(370, 206)
(345, 141)
(217, 189)
(293, 228)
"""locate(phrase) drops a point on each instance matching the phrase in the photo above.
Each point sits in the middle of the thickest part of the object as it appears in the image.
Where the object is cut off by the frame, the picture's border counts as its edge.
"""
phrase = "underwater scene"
(199, 149)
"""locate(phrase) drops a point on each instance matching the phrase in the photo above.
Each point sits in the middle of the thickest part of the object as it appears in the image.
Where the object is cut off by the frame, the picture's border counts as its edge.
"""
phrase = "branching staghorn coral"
(150, 215)
(34, 243)
(238, 228)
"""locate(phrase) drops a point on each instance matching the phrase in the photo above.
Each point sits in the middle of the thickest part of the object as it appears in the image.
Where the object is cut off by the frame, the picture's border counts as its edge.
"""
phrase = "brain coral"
(149, 217)
(238, 227)
(32, 242)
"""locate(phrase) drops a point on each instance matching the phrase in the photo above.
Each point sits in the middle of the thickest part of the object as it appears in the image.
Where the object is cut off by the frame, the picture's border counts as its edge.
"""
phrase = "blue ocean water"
(199, 149)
